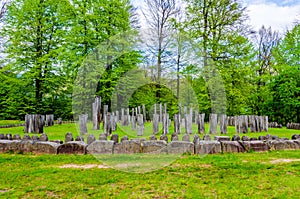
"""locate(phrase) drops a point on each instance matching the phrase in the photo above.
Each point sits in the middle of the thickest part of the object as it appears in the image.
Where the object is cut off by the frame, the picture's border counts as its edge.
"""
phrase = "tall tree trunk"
(39, 55)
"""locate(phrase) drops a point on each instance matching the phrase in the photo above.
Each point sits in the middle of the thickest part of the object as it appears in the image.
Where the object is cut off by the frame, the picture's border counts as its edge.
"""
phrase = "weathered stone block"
(79, 139)
(57, 141)
(124, 138)
(274, 137)
(115, 138)
(231, 147)
(164, 137)
(8, 145)
(297, 142)
(186, 138)
(43, 138)
(255, 145)
(268, 137)
(127, 147)
(73, 147)
(100, 147)
(138, 140)
(152, 137)
(196, 139)
(236, 138)
(245, 138)
(35, 138)
(9, 136)
(69, 137)
(90, 139)
(295, 137)
(291, 144)
(180, 147)
(103, 137)
(206, 138)
(262, 138)
(208, 147)
(277, 145)
(16, 137)
(26, 137)
(25, 146)
(157, 147)
(44, 147)
(222, 138)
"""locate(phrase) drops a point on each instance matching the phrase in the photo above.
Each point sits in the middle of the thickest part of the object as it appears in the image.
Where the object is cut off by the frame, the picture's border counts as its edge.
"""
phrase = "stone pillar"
(165, 124)
(113, 122)
(105, 111)
(128, 117)
(223, 123)
(201, 127)
(82, 123)
(160, 113)
(196, 117)
(177, 123)
(140, 123)
(252, 124)
(50, 120)
(244, 119)
(237, 124)
(96, 111)
(265, 123)
(123, 121)
(133, 120)
(155, 123)
(213, 121)
(59, 121)
(188, 121)
(107, 124)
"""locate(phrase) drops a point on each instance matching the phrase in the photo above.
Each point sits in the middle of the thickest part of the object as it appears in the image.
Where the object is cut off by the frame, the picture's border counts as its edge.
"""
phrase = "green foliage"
(47, 43)
(285, 85)
(59, 55)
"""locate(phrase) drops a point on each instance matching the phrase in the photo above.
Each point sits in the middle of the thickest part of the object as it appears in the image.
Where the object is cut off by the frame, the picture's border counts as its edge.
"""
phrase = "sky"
(279, 14)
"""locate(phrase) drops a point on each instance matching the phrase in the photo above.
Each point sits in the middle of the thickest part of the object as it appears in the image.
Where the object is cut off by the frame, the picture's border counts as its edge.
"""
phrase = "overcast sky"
(279, 14)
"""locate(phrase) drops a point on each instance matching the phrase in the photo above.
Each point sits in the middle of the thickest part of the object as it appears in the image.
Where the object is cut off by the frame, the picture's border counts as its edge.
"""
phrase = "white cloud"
(279, 17)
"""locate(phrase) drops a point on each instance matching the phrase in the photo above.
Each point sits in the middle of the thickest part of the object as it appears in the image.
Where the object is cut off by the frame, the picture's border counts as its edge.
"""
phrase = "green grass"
(245, 175)
(8, 122)
(57, 132)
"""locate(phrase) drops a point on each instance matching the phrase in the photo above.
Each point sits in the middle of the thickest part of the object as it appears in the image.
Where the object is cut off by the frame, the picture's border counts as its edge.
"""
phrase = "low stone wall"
(295, 126)
(221, 144)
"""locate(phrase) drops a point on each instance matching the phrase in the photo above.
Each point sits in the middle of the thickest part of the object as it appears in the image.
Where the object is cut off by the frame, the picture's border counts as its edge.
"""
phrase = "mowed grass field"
(273, 174)
(58, 132)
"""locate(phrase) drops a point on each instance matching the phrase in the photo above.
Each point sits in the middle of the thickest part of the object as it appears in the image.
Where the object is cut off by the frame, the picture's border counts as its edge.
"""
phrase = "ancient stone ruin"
(115, 145)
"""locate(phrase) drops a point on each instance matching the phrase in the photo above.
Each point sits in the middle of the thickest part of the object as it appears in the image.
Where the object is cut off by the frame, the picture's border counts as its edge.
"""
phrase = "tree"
(49, 41)
(266, 41)
(218, 28)
(35, 35)
(210, 21)
(102, 28)
(285, 84)
(158, 15)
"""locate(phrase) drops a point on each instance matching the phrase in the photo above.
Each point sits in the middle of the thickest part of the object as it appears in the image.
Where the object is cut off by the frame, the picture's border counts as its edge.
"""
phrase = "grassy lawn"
(246, 175)
(57, 132)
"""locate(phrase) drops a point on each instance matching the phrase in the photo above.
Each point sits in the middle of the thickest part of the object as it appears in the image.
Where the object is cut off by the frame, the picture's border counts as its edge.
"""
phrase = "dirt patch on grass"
(130, 165)
(278, 161)
(196, 165)
(84, 166)
(4, 191)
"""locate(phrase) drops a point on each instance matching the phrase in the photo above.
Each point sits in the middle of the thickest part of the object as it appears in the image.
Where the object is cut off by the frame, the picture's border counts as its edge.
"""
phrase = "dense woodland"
(204, 47)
